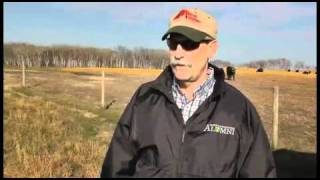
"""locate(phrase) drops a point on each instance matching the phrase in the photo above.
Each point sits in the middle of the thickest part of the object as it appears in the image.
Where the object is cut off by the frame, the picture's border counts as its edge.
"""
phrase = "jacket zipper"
(183, 133)
(179, 166)
(180, 159)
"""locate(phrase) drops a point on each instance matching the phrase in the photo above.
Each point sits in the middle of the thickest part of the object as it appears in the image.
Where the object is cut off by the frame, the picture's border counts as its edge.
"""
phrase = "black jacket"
(223, 138)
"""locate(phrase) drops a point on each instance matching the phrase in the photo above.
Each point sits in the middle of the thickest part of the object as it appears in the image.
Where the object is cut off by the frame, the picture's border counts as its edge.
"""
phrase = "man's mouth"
(182, 65)
(179, 65)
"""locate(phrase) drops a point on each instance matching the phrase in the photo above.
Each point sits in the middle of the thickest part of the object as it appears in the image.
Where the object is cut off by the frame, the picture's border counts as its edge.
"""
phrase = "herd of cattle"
(303, 72)
(231, 72)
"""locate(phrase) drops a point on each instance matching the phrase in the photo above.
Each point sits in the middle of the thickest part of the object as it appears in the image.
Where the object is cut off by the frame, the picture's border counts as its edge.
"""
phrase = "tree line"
(221, 63)
(76, 56)
(119, 57)
(279, 63)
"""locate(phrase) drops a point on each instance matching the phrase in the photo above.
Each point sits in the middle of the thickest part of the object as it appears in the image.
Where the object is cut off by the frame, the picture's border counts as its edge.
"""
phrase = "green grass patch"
(25, 91)
(89, 126)
(85, 73)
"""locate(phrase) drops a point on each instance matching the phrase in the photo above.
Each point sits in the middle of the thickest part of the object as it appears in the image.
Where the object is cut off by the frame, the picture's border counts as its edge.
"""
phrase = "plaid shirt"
(187, 107)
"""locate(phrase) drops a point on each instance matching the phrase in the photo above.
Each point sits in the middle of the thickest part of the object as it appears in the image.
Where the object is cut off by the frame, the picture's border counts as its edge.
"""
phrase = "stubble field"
(56, 127)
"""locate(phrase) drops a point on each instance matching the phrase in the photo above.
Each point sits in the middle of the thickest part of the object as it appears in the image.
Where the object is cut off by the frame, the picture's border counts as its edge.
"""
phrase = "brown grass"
(55, 126)
(297, 104)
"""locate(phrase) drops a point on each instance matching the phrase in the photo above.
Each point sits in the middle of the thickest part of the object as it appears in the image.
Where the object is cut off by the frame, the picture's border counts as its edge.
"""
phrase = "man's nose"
(179, 52)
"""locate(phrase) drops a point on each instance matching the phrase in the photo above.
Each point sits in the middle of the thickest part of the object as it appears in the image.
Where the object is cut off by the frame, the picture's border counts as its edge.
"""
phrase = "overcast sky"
(246, 31)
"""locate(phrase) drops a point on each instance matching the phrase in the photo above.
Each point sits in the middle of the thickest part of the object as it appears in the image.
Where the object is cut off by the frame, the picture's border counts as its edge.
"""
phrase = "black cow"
(306, 72)
(289, 70)
(297, 70)
(259, 70)
(231, 72)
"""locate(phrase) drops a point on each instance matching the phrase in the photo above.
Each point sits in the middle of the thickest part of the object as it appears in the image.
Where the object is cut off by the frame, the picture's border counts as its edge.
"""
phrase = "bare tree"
(299, 65)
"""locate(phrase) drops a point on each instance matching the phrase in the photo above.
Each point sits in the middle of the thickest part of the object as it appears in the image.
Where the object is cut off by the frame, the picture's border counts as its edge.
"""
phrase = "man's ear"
(213, 47)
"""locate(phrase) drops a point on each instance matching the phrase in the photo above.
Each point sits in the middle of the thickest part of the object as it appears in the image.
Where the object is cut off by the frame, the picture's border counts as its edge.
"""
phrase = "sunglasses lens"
(172, 44)
(187, 45)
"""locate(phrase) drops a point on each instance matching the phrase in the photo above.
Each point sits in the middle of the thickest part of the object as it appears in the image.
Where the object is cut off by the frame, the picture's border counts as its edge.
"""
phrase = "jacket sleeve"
(119, 160)
(256, 159)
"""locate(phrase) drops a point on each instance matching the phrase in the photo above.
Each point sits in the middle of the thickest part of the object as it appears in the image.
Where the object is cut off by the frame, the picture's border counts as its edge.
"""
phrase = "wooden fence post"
(275, 117)
(23, 74)
(102, 89)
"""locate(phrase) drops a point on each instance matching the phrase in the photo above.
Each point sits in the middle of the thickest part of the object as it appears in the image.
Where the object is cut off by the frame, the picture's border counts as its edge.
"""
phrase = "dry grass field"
(56, 127)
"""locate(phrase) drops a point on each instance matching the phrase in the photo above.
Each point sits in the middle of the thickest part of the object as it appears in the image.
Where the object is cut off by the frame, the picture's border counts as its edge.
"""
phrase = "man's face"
(189, 59)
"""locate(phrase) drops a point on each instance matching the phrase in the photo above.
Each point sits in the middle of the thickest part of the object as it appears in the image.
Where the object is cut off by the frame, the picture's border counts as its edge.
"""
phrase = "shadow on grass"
(110, 104)
(293, 164)
(86, 73)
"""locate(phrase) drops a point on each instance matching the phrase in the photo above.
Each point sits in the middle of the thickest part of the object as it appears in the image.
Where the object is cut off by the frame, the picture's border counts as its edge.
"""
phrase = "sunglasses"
(186, 44)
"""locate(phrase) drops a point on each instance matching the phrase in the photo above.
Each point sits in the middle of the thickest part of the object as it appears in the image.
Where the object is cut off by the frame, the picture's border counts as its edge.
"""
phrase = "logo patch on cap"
(188, 15)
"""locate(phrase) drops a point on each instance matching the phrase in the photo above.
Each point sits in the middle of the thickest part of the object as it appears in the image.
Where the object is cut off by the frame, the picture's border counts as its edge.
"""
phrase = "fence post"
(275, 117)
(23, 74)
(102, 89)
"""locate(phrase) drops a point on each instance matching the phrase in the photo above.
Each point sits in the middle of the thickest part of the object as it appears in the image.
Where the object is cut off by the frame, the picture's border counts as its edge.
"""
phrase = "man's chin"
(183, 78)
(182, 74)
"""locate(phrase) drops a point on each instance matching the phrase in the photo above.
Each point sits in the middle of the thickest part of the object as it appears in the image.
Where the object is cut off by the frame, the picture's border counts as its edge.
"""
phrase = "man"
(189, 122)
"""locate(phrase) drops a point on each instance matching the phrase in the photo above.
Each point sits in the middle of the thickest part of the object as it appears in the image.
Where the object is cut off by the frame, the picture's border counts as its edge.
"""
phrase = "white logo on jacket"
(219, 129)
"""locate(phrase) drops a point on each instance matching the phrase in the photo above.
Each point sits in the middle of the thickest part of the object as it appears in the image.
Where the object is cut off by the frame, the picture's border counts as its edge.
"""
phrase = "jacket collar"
(164, 81)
